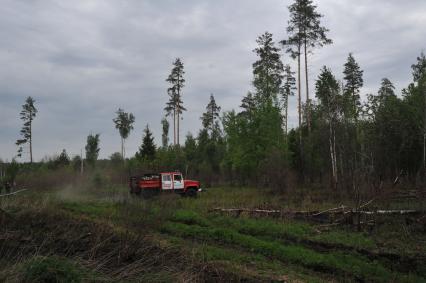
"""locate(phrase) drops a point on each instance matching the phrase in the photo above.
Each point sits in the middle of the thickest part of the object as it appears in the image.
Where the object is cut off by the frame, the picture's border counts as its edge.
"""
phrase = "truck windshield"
(178, 178)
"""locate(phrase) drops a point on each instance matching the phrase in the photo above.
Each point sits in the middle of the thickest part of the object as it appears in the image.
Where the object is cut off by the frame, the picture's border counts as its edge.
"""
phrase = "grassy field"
(82, 234)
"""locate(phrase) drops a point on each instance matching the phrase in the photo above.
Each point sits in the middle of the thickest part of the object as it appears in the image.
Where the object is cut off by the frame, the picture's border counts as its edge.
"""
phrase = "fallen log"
(245, 210)
(13, 193)
(390, 212)
(313, 214)
(339, 209)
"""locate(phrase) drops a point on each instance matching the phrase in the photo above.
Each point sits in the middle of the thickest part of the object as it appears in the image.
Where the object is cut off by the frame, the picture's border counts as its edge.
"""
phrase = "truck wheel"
(191, 193)
(135, 191)
(146, 194)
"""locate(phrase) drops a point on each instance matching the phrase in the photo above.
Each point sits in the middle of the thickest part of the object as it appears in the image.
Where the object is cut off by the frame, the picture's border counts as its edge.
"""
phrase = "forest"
(325, 200)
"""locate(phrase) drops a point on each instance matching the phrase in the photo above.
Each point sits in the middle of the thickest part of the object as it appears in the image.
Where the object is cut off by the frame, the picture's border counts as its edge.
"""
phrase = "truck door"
(178, 182)
(166, 181)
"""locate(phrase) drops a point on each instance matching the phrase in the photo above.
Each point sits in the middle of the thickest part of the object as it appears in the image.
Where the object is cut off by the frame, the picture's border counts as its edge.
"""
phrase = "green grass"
(272, 229)
(91, 209)
(52, 269)
(258, 248)
(356, 266)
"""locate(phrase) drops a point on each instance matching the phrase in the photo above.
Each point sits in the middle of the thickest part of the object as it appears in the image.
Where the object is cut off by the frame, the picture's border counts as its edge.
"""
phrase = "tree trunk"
(174, 126)
(286, 115)
(31, 141)
(333, 157)
(308, 103)
(122, 148)
(424, 132)
(299, 94)
(178, 126)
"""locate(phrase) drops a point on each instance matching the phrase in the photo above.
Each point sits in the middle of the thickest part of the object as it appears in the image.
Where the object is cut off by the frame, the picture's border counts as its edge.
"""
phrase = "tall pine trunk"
(299, 98)
(174, 126)
(31, 141)
(308, 103)
(178, 126)
(299, 93)
(286, 115)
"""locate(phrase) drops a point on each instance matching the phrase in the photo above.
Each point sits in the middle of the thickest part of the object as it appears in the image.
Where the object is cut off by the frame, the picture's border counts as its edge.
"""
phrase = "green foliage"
(11, 171)
(27, 114)
(267, 70)
(177, 82)
(386, 89)
(353, 83)
(255, 133)
(165, 135)
(116, 158)
(304, 27)
(92, 149)
(419, 68)
(76, 163)
(210, 117)
(124, 123)
(63, 159)
(327, 91)
(174, 106)
(147, 149)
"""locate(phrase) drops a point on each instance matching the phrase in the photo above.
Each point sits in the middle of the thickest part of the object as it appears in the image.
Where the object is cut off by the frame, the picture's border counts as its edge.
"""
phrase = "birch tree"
(165, 135)
(287, 90)
(92, 149)
(327, 92)
(124, 123)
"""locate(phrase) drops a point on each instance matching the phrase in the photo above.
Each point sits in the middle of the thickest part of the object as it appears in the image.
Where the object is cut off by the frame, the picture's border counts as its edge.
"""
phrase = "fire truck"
(154, 183)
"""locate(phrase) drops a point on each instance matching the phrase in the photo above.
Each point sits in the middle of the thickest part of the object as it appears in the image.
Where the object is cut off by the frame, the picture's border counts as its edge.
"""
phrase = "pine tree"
(353, 83)
(63, 159)
(294, 46)
(267, 70)
(287, 90)
(147, 149)
(175, 105)
(92, 149)
(27, 114)
(190, 149)
(248, 105)
(419, 69)
(124, 123)
(304, 29)
(314, 35)
(386, 89)
(165, 136)
(209, 118)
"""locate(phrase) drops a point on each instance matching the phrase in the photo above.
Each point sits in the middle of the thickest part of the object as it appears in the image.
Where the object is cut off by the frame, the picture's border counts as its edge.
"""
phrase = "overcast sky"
(82, 60)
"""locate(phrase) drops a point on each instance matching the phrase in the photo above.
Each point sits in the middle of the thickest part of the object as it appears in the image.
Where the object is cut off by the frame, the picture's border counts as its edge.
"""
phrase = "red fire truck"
(154, 183)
